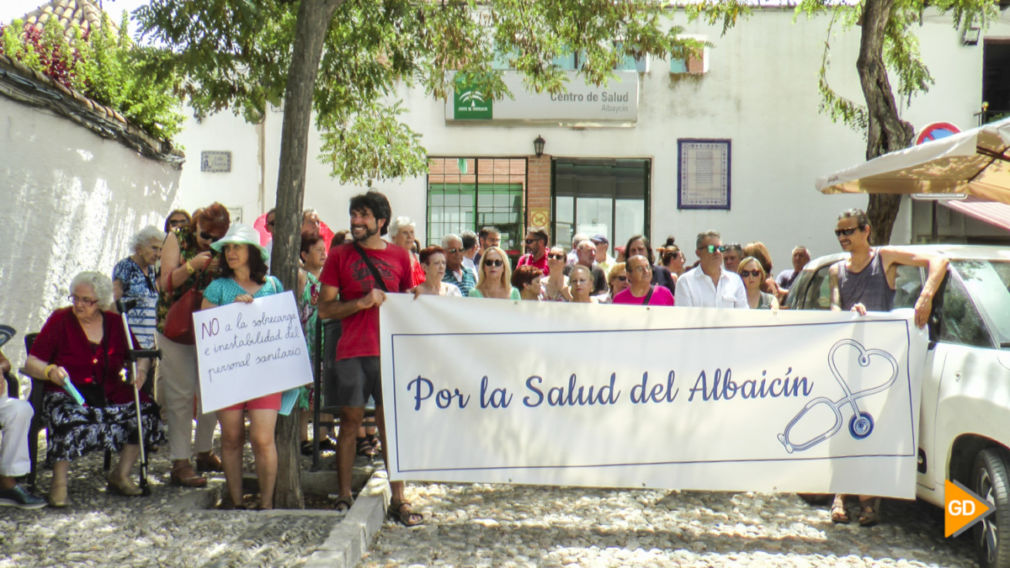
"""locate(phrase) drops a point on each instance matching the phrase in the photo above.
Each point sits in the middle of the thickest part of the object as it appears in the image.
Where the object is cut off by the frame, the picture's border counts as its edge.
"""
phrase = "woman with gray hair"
(134, 278)
(82, 348)
(401, 230)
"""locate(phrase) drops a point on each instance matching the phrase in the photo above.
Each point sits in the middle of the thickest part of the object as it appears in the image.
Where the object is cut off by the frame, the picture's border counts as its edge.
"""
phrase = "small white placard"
(245, 351)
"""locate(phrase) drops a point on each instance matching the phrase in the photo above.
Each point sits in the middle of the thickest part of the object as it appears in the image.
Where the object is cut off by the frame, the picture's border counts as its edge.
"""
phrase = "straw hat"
(240, 234)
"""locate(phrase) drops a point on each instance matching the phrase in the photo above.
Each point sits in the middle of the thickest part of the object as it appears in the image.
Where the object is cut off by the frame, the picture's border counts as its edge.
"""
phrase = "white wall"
(239, 188)
(760, 91)
(71, 202)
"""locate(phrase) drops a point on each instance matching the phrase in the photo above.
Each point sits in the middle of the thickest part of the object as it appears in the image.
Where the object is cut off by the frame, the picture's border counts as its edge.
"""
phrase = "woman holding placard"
(244, 278)
(79, 354)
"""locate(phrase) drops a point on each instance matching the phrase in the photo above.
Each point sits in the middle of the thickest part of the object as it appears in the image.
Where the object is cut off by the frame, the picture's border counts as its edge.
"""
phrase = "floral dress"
(143, 317)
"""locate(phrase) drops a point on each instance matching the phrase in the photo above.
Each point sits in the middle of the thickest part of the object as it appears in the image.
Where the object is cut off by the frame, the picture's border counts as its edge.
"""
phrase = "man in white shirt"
(709, 285)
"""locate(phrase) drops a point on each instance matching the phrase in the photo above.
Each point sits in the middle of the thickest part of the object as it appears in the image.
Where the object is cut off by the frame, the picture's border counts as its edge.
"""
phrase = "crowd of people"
(204, 260)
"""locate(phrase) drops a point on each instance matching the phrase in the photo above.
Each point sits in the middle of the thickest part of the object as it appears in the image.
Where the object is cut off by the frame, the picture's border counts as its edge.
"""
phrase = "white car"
(964, 426)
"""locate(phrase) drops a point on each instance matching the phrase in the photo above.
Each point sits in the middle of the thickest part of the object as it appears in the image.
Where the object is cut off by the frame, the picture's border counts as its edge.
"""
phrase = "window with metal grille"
(471, 193)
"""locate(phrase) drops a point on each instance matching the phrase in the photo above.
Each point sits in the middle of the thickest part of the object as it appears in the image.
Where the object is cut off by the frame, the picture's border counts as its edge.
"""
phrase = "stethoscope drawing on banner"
(861, 423)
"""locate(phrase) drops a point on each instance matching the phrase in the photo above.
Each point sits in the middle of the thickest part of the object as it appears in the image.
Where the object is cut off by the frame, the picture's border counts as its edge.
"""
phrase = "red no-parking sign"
(935, 131)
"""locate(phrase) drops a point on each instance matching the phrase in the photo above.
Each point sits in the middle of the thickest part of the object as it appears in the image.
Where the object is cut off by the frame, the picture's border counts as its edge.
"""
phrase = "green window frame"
(471, 193)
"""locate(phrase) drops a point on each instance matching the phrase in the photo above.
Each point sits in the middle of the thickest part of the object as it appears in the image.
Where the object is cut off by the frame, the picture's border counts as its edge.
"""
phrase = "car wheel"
(992, 534)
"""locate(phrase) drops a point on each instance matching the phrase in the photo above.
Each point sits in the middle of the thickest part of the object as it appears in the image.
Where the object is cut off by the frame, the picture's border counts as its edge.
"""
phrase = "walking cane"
(132, 355)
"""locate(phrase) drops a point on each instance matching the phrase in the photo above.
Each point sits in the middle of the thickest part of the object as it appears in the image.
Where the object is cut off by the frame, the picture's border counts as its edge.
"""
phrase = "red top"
(541, 264)
(63, 342)
(417, 275)
(345, 270)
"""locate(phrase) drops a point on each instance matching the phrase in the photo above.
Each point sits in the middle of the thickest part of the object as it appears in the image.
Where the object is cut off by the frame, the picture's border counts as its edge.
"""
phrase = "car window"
(960, 322)
(907, 286)
(817, 294)
(988, 284)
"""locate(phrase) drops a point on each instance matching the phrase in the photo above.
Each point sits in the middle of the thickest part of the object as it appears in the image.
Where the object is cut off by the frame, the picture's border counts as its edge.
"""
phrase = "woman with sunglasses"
(187, 263)
(494, 279)
(760, 252)
(177, 219)
(754, 275)
(556, 286)
(83, 347)
(617, 281)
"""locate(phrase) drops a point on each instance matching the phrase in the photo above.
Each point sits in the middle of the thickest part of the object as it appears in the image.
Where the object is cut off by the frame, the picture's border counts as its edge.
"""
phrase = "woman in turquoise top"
(494, 278)
(244, 278)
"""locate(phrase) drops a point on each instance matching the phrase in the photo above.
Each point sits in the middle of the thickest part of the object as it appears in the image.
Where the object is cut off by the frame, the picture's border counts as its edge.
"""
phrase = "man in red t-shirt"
(536, 250)
(351, 293)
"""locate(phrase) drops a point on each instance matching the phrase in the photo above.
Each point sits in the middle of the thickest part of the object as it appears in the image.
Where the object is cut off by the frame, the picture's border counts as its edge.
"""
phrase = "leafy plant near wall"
(103, 65)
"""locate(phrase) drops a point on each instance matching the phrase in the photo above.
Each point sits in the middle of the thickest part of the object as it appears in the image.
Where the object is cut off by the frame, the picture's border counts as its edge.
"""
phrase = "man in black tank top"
(866, 282)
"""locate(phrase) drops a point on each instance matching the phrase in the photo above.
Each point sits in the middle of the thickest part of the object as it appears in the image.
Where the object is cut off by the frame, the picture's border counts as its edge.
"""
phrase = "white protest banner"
(633, 396)
(246, 351)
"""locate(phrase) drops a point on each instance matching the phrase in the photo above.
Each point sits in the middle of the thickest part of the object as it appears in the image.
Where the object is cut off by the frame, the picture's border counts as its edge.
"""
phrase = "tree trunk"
(887, 132)
(312, 24)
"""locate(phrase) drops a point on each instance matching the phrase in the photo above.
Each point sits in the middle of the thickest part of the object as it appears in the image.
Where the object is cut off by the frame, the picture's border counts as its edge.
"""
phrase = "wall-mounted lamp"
(538, 145)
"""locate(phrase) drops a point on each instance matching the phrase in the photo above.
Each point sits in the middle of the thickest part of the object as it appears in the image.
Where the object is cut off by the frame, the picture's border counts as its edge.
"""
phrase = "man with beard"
(355, 279)
(865, 281)
(536, 250)
(487, 237)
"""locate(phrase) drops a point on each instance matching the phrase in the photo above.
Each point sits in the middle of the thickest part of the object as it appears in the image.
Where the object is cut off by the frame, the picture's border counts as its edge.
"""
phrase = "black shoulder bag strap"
(649, 295)
(368, 262)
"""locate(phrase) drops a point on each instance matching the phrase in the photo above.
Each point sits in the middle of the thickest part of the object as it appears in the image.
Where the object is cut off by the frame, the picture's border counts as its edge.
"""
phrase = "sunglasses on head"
(713, 248)
(746, 273)
(493, 262)
(846, 232)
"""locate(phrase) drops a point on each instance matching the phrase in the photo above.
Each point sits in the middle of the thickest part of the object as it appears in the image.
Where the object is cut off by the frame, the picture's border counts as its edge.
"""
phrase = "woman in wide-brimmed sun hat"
(243, 279)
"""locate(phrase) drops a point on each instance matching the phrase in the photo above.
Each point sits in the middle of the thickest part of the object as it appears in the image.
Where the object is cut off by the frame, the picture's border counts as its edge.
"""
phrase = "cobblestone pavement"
(499, 525)
(171, 527)
(475, 525)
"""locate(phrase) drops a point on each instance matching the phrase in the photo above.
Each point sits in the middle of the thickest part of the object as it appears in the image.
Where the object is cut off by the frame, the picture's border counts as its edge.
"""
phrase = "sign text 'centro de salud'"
(617, 101)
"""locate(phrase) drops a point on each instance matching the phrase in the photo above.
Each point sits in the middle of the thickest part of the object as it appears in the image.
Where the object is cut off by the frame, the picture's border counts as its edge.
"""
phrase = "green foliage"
(102, 65)
(901, 47)
(236, 54)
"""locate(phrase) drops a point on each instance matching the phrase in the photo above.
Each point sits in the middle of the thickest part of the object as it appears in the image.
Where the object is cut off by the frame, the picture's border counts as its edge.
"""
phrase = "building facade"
(730, 141)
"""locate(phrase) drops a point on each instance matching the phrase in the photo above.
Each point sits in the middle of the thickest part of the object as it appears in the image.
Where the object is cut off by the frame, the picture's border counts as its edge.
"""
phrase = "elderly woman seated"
(85, 346)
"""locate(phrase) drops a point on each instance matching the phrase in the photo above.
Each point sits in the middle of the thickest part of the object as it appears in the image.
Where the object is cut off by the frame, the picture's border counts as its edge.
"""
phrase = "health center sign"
(617, 101)
(480, 390)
